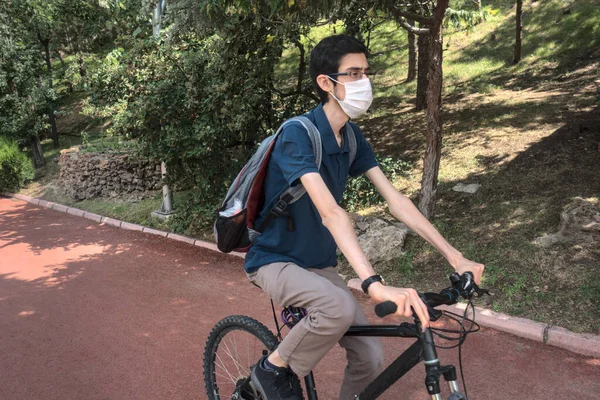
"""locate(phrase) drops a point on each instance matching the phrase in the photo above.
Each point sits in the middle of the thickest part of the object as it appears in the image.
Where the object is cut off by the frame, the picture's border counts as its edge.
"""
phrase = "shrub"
(15, 167)
(360, 192)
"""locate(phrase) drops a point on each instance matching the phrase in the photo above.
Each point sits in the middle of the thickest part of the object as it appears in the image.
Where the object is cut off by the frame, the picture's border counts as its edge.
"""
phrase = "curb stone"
(585, 344)
(154, 232)
(111, 221)
(76, 212)
(581, 343)
(181, 238)
(60, 207)
(92, 216)
(131, 227)
(45, 203)
(517, 326)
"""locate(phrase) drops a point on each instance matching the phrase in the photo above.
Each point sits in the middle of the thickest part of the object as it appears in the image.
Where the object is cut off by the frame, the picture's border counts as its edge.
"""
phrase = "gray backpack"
(235, 225)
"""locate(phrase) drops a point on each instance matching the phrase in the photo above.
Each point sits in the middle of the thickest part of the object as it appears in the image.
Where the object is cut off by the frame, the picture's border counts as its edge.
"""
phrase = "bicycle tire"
(215, 338)
(456, 396)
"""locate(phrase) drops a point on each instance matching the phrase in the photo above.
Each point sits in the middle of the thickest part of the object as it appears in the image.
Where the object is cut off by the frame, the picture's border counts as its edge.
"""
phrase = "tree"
(518, 30)
(430, 36)
(38, 19)
(22, 97)
(412, 54)
(431, 17)
(433, 153)
(423, 43)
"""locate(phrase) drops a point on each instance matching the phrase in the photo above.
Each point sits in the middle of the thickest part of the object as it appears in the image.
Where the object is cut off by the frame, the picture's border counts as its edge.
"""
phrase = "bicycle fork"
(434, 370)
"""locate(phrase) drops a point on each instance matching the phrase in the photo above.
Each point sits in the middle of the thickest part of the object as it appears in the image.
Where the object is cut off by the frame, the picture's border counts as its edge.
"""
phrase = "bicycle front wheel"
(234, 346)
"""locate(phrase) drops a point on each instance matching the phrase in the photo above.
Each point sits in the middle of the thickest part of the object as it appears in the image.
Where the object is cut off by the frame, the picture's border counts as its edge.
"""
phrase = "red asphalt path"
(89, 311)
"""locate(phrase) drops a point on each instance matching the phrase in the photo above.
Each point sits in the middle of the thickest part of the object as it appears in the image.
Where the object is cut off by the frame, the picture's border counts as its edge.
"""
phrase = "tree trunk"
(423, 69)
(412, 55)
(431, 161)
(37, 152)
(64, 67)
(82, 71)
(519, 28)
(54, 132)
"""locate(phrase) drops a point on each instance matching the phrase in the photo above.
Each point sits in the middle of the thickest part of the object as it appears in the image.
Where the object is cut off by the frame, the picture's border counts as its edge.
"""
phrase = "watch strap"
(367, 282)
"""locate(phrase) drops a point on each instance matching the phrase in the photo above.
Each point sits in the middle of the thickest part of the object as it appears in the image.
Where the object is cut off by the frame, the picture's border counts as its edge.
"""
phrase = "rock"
(86, 175)
(362, 226)
(381, 240)
(382, 243)
(579, 224)
(466, 188)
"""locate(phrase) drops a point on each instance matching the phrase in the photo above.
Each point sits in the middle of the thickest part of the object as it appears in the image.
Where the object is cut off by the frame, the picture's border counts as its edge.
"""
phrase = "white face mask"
(359, 96)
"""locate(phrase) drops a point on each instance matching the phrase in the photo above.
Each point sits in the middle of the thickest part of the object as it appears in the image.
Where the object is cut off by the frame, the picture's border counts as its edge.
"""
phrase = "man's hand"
(404, 299)
(463, 265)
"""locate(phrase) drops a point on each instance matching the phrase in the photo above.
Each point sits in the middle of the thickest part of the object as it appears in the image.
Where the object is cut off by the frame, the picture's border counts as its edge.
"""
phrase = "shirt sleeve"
(365, 158)
(294, 153)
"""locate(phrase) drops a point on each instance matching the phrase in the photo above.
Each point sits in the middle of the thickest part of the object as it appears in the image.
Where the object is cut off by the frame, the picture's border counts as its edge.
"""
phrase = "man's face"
(353, 64)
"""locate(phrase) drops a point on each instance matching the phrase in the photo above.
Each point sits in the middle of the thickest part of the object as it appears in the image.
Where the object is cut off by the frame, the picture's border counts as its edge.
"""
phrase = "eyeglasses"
(354, 75)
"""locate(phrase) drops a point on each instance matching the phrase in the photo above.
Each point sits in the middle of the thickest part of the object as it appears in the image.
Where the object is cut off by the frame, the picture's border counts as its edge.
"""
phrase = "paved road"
(95, 312)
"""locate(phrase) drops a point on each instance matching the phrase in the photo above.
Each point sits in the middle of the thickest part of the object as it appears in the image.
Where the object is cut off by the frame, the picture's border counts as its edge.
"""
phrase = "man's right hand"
(406, 299)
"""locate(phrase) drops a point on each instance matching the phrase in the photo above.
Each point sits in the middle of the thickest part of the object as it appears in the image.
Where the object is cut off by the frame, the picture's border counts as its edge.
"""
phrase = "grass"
(528, 133)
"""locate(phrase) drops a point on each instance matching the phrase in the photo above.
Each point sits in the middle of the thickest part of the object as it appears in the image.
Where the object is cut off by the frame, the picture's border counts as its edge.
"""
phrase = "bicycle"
(236, 383)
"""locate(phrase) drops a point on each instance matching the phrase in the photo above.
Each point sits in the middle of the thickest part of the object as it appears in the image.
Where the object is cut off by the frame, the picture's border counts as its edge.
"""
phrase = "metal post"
(166, 207)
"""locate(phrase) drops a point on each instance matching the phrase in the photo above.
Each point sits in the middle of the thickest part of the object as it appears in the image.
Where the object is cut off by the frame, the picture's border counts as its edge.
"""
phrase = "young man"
(296, 266)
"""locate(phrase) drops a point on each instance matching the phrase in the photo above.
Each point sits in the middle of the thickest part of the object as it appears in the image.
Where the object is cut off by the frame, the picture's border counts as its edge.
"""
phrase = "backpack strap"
(293, 193)
(351, 142)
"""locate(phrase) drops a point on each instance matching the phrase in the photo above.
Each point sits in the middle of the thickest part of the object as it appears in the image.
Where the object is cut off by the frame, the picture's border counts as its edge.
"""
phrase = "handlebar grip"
(385, 308)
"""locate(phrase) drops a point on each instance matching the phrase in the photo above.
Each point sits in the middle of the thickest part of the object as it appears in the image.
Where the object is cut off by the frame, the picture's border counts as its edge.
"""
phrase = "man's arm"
(336, 220)
(405, 211)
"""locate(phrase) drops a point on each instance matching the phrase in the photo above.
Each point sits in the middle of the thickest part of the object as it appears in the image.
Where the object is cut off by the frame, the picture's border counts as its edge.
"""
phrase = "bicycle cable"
(463, 332)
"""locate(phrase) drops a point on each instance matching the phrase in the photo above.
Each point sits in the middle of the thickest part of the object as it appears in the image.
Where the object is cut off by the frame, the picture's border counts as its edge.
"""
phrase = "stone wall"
(106, 175)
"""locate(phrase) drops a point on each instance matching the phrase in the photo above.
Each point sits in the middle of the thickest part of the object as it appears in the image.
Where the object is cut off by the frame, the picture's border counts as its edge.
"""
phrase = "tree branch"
(306, 93)
(412, 29)
(399, 14)
(301, 65)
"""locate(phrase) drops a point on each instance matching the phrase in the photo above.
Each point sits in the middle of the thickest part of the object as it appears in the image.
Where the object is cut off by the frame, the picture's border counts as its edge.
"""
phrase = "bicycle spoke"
(235, 362)
(222, 366)
(228, 383)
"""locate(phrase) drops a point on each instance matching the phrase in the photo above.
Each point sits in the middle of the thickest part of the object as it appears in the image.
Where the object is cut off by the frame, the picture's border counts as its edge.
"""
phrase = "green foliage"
(107, 144)
(405, 266)
(464, 19)
(360, 192)
(196, 214)
(15, 167)
(22, 99)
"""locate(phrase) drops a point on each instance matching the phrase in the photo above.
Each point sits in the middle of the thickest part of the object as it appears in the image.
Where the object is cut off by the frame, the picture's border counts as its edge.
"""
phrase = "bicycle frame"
(422, 350)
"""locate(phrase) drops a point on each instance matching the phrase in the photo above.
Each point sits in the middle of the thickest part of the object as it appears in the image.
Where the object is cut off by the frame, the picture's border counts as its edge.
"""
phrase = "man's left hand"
(463, 265)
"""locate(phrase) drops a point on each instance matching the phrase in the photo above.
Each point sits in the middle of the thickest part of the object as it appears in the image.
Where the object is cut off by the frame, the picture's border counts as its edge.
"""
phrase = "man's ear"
(325, 83)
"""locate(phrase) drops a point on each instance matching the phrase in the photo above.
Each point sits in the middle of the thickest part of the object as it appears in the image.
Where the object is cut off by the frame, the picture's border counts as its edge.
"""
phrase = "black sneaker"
(276, 384)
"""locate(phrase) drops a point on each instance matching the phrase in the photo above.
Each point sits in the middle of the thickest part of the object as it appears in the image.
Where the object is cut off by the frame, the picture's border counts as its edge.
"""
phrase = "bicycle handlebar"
(462, 285)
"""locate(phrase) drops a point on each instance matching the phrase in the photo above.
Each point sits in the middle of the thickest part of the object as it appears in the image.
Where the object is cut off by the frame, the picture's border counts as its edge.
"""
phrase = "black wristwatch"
(367, 282)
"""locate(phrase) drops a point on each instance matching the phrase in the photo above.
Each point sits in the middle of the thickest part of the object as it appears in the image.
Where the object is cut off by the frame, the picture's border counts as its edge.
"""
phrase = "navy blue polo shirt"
(309, 245)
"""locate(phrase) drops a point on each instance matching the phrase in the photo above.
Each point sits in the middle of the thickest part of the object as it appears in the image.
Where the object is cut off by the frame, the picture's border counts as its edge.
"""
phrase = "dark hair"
(325, 58)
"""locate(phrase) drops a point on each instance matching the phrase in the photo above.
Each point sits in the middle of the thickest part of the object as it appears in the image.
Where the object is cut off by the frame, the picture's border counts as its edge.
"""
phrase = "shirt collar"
(328, 138)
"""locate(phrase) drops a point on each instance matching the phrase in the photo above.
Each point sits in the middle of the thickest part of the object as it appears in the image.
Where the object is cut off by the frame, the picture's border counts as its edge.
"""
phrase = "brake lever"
(466, 285)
